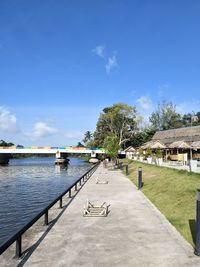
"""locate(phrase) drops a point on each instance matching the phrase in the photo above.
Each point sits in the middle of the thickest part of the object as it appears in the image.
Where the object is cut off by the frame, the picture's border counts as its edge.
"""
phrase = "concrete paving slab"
(134, 233)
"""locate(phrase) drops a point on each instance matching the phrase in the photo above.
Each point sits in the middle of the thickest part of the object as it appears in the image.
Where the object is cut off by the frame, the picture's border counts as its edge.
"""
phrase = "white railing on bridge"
(49, 150)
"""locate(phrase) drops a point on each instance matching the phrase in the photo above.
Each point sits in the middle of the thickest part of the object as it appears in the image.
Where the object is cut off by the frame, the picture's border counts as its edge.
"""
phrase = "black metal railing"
(18, 236)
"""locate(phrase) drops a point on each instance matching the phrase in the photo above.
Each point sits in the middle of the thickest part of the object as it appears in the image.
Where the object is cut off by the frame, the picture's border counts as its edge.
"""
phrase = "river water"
(29, 185)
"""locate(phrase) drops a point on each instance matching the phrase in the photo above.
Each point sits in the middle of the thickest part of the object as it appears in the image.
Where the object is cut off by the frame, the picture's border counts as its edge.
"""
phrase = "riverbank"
(134, 233)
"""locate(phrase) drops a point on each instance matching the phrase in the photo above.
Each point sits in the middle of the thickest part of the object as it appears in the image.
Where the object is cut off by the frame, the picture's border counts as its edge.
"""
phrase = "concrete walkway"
(134, 234)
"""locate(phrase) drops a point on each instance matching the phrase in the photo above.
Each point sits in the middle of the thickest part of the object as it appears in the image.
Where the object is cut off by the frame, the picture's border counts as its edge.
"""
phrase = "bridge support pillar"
(94, 158)
(61, 158)
(4, 159)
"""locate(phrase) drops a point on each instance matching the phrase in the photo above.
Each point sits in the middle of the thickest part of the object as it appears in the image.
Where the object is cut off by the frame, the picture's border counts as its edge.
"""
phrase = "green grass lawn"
(173, 192)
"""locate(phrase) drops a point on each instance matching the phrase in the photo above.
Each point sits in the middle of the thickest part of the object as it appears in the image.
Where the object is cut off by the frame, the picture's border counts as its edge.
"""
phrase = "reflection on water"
(29, 185)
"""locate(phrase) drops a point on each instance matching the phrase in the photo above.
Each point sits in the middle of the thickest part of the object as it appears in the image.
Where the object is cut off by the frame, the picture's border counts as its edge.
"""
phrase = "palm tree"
(88, 136)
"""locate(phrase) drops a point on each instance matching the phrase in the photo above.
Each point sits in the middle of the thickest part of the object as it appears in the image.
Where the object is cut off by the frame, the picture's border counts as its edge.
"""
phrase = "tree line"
(120, 125)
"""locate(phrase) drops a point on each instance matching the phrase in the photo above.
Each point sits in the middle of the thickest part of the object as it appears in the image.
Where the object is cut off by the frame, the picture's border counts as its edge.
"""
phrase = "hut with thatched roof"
(180, 141)
(186, 134)
(130, 152)
(153, 145)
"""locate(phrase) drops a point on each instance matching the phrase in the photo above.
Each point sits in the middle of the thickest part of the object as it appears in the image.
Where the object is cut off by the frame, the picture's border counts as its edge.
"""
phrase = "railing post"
(19, 246)
(139, 177)
(126, 169)
(61, 203)
(45, 212)
(46, 219)
(70, 193)
(197, 245)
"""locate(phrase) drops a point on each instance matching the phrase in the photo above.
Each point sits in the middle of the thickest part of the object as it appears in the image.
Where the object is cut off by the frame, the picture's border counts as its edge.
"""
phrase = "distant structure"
(178, 144)
(61, 153)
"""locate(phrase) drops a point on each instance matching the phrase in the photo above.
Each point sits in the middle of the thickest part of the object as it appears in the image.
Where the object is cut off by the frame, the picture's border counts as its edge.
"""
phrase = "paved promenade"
(133, 234)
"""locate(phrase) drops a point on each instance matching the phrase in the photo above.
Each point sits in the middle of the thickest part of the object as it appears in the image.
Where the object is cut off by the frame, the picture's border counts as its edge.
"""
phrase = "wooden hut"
(130, 152)
(180, 141)
(187, 134)
(196, 147)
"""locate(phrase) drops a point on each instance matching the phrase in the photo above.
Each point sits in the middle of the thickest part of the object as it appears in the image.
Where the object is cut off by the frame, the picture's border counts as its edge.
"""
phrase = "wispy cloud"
(99, 51)
(144, 102)
(111, 61)
(41, 130)
(111, 64)
(8, 121)
(74, 135)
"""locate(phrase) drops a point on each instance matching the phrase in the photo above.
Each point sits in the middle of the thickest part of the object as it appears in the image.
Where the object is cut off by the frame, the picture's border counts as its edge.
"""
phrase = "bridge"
(60, 152)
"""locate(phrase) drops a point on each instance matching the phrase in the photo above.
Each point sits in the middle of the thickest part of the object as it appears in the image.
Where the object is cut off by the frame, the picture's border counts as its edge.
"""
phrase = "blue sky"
(61, 62)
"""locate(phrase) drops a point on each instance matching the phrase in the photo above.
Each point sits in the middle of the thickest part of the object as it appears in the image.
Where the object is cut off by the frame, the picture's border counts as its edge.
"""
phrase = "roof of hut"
(196, 145)
(187, 134)
(179, 144)
(153, 145)
(130, 149)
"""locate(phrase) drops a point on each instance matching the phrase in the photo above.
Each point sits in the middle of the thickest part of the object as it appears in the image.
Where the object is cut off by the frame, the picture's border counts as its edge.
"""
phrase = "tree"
(190, 119)
(111, 144)
(117, 121)
(80, 144)
(141, 136)
(165, 117)
(88, 137)
(4, 143)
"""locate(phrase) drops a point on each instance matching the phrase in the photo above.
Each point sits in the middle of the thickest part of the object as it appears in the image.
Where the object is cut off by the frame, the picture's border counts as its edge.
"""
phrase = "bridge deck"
(48, 151)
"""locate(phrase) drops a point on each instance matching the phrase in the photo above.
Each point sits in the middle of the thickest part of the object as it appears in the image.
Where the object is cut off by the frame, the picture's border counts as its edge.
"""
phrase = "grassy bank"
(173, 192)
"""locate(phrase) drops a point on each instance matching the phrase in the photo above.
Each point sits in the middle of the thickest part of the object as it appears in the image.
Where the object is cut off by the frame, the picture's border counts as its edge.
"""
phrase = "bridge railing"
(18, 236)
(50, 148)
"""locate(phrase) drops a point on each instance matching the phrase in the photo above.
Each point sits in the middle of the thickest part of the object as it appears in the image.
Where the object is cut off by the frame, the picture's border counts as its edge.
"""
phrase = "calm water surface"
(29, 185)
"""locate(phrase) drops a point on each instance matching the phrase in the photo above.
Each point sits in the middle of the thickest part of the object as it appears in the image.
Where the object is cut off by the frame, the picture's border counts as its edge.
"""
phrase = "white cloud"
(144, 102)
(99, 51)
(41, 130)
(112, 63)
(8, 121)
(74, 135)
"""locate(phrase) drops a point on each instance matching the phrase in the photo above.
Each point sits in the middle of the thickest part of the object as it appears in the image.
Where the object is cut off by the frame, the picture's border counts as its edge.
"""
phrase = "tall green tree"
(118, 120)
(141, 136)
(87, 138)
(165, 117)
